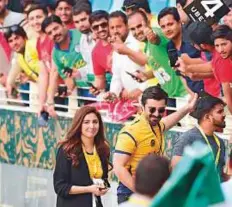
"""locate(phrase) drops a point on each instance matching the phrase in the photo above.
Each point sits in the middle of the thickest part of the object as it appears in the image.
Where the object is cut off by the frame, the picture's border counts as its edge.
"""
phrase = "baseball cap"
(200, 33)
(205, 104)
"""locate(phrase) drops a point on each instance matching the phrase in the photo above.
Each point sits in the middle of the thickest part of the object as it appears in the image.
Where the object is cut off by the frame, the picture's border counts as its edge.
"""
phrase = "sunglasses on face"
(102, 25)
(160, 110)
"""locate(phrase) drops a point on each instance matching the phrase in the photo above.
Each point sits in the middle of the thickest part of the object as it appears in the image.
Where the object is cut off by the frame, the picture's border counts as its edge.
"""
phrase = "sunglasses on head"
(132, 6)
(102, 25)
(9, 30)
(160, 110)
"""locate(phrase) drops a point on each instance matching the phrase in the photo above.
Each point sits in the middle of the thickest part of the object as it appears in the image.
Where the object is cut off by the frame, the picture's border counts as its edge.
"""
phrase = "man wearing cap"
(210, 115)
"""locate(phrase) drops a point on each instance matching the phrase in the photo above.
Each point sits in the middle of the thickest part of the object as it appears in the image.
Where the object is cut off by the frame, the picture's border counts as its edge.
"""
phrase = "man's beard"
(86, 31)
(221, 125)
(2, 13)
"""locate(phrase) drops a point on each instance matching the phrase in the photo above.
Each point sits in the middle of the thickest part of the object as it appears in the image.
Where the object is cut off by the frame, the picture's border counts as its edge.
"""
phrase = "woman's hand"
(97, 191)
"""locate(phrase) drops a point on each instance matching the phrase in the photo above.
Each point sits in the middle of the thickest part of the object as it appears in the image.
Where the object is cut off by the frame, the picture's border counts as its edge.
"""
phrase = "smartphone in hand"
(91, 85)
(134, 77)
(68, 70)
(43, 119)
(62, 90)
(173, 57)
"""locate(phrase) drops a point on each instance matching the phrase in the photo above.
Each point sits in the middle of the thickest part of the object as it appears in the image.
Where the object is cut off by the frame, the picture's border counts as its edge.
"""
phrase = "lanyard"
(217, 142)
(134, 200)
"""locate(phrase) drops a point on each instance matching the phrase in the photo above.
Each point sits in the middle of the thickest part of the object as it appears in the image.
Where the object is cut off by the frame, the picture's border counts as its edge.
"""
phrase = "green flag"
(193, 183)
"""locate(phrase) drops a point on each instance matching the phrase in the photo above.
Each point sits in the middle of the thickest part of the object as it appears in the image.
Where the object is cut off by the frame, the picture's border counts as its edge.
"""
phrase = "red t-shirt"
(222, 68)
(5, 46)
(44, 49)
(101, 57)
(211, 85)
(70, 25)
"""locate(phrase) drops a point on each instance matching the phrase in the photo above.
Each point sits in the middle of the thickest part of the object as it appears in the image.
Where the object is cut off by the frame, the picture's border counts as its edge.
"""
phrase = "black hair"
(49, 20)
(117, 14)
(181, 2)
(14, 29)
(98, 15)
(83, 6)
(169, 11)
(155, 93)
(38, 7)
(223, 31)
(200, 33)
(69, 2)
(137, 4)
(141, 13)
(204, 105)
(145, 182)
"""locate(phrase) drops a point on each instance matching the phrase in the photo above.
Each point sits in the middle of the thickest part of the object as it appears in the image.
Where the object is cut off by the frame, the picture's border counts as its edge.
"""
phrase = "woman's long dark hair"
(72, 144)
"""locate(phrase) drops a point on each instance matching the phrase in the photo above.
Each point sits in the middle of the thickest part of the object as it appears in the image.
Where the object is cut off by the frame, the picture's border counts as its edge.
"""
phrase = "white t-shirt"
(86, 46)
(122, 64)
(12, 18)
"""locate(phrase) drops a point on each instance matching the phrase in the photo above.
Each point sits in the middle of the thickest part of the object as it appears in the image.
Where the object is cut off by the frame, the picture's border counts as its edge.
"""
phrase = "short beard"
(3, 12)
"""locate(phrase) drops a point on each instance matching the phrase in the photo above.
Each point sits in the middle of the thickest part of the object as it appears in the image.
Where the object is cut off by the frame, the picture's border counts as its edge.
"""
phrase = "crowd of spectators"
(123, 57)
(67, 46)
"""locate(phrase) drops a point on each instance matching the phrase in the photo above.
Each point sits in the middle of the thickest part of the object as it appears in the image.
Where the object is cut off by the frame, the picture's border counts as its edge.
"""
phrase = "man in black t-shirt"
(211, 117)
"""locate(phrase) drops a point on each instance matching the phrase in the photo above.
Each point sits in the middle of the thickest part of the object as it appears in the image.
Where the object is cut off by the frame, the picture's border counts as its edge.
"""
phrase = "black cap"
(205, 104)
(200, 33)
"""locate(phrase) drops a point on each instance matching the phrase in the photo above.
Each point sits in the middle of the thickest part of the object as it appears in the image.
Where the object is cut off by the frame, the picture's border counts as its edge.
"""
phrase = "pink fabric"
(5, 46)
(119, 110)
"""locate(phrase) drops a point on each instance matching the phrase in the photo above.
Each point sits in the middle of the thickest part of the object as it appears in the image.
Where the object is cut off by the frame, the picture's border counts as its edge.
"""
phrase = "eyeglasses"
(102, 25)
(160, 110)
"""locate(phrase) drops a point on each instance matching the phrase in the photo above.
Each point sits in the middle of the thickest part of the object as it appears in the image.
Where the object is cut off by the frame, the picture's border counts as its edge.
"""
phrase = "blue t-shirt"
(188, 48)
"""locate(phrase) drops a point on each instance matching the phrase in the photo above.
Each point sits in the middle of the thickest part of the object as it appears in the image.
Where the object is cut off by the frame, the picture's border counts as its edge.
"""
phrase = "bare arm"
(119, 162)
(200, 76)
(175, 160)
(227, 90)
(100, 82)
(172, 119)
(43, 82)
(199, 68)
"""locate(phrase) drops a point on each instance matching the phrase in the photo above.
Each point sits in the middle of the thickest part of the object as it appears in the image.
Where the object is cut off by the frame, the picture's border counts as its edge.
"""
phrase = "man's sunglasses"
(102, 25)
(160, 110)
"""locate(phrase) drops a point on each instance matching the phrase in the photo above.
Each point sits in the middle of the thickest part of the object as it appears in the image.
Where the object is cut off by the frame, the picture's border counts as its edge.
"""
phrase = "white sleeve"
(116, 83)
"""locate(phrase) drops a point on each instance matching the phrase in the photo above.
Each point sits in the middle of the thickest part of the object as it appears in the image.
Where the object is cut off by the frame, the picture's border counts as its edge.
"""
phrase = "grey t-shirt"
(189, 137)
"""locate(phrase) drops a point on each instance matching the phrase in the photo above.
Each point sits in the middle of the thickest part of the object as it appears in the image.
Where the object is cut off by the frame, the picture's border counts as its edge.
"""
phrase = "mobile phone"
(173, 57)
(14, 92)
(68, 70)
(134, 77)
(62, 89)
(91, 85)
(43, 119)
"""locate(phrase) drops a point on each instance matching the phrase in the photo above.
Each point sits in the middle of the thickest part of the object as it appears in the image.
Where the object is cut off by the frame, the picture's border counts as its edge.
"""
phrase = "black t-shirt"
(189, 137)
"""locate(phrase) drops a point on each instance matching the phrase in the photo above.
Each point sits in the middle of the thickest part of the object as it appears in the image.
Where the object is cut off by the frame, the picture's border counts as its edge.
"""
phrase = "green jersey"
(70, 58)
(159, 61)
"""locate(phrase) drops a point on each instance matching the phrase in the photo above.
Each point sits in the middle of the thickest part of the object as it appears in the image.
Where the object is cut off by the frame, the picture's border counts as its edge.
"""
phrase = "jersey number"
(211, 6)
